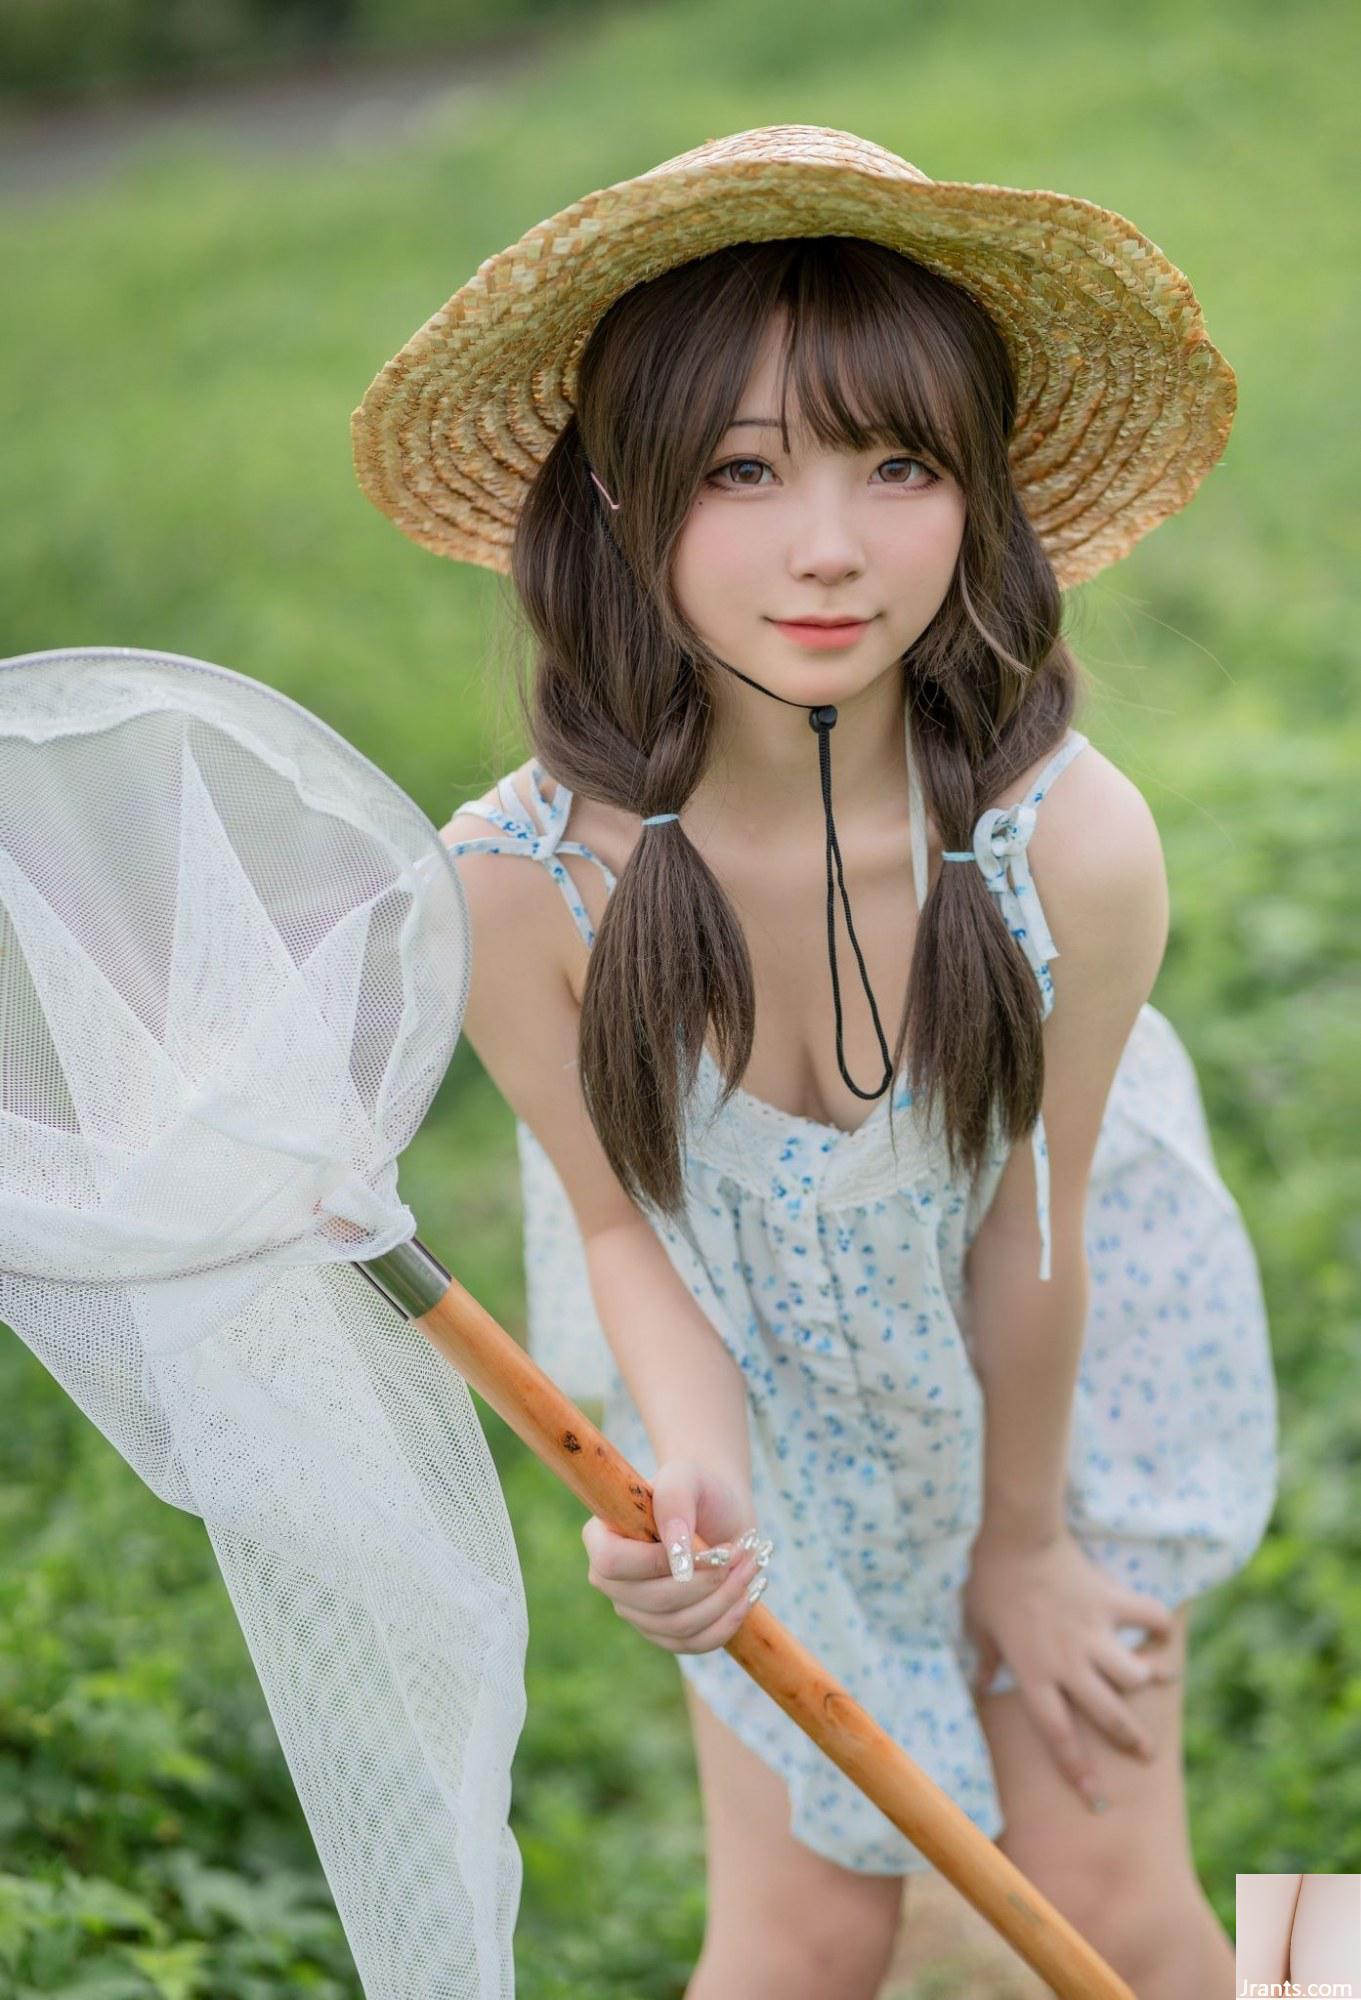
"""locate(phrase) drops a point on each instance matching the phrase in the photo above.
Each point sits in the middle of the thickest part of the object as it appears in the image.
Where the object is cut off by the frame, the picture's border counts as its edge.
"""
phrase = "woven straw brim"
(1124, 403)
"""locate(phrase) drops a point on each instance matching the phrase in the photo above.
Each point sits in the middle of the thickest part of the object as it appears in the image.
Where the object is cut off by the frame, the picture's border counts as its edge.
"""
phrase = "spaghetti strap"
(537, 835)
(1020, 902)
(1026, 920)
(1001, 836)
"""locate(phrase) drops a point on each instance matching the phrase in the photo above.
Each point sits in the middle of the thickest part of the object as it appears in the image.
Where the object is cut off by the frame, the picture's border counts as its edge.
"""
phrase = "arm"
(1265, 1915)
(522, 1019)
(689, 1390)
(1100, 866)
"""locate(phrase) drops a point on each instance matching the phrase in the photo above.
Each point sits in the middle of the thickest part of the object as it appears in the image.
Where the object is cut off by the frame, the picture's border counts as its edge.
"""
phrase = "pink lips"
(822, 638)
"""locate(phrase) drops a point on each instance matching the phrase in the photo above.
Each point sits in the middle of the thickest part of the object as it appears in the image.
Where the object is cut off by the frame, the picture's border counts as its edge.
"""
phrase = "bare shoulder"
(522, 1014)
(606, 833)
(1096, 858)
(1096, 862)
(508, 899)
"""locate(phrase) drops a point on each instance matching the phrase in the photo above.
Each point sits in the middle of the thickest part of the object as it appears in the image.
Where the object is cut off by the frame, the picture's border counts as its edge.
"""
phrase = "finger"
(689, 1611)
(724, 1553)
(1055, 1721)
(1130, 1670)
(1132, 1608)
(711, 1566)
(620, 1557)
(661, 1596)
(664, 1594)
(711, 1638)
(742, 1610)
(727, 1627)
(686, 1615)
(985, 1672)
(628, 1559)
(1111, 1715)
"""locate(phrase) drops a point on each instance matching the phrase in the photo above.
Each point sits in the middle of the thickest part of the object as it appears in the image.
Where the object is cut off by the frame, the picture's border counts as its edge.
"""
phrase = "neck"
(763, 768)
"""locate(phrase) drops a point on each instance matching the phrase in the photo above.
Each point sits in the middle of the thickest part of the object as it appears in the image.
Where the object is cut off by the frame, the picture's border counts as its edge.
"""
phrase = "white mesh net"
(234, 959)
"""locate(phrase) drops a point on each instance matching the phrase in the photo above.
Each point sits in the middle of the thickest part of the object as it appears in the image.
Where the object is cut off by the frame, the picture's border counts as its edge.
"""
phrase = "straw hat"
(1124, 403)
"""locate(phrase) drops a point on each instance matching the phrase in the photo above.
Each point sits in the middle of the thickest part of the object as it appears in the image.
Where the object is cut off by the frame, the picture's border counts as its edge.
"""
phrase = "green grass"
(188, 343)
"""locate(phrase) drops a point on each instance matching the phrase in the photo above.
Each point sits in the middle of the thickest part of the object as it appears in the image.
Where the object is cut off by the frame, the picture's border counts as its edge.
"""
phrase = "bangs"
(873, 350)
(864, 354)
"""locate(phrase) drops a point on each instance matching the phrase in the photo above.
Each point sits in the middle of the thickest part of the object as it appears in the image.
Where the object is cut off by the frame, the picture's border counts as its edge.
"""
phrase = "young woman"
(959, 1345)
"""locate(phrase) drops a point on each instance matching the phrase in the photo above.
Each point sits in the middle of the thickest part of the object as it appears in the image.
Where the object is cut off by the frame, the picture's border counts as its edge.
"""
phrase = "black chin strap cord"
(822, 721)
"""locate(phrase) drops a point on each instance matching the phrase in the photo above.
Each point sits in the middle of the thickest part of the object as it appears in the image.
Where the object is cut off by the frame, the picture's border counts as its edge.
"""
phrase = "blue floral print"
(831, 1264)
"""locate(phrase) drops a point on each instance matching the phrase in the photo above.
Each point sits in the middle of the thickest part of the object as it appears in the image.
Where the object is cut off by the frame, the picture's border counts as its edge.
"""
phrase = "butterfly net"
(234, 958)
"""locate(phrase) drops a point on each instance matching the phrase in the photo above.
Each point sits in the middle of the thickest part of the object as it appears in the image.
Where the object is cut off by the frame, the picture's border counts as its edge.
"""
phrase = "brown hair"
(878, 347)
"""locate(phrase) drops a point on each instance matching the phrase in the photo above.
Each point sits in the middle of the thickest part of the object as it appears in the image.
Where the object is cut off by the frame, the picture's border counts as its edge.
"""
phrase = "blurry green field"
(182, 352)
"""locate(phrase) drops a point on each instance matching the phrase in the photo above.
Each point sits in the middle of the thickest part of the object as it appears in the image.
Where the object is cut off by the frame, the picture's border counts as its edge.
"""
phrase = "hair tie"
(655, 819)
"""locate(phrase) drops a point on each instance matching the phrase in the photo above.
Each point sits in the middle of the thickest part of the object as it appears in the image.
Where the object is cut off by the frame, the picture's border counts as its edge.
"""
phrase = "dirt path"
(946, 1951)
(346, 104)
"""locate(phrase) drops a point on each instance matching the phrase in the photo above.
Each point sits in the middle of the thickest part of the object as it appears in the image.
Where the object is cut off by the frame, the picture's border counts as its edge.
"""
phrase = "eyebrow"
(773, 424)
(755, 423)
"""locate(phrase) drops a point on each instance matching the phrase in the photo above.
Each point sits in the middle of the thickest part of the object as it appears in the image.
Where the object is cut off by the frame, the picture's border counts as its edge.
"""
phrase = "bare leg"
(1120, 1875)
(783, 1923)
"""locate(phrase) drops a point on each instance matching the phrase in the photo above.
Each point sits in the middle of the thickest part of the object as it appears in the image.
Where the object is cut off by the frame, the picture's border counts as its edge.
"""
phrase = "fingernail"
(678, 1550)
(749, 1540)
(716, 1558)
(755, 1588)
(1094, 1798)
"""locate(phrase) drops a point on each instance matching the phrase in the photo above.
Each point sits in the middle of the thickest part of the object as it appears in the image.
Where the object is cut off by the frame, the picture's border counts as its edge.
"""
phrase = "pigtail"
(620, 709)
(993, 686)
(670, 959)
(616, 709)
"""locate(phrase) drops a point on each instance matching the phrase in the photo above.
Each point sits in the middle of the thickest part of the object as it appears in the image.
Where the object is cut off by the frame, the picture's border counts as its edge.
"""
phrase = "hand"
(683, 1613)
(1050, 1613)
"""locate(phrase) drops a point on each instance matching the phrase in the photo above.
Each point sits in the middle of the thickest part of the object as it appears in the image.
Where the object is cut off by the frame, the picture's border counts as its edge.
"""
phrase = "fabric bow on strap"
(545, 846)
(999, 847)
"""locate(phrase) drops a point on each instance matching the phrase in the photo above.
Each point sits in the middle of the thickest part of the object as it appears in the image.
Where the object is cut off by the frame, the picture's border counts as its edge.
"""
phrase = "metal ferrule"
(410, 1275)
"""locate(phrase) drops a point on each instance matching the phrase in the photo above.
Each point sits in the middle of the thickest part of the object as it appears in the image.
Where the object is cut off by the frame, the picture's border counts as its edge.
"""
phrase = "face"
(823, 532)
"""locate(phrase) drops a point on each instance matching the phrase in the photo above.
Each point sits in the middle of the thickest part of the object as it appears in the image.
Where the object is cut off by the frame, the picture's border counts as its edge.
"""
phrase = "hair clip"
(613, 503)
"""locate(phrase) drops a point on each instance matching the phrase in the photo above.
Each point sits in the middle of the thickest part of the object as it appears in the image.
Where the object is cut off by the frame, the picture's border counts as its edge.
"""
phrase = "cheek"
(945, 532)
(711, 567)
(924, 561)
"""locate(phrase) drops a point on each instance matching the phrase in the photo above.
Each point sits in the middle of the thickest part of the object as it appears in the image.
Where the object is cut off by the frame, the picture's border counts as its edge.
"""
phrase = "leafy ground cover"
(189, 339)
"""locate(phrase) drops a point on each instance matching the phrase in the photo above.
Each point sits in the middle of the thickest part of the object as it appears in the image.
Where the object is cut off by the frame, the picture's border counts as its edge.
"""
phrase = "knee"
(850, 1954)
(835, 1949)
(1114, 1920)
(1124, 1905)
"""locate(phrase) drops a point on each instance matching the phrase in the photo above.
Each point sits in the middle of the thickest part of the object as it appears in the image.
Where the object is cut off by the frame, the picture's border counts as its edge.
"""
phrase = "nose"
(825, 542)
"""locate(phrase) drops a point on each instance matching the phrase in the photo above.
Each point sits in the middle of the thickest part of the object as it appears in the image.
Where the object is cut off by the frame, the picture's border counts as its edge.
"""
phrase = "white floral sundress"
(832, 1269)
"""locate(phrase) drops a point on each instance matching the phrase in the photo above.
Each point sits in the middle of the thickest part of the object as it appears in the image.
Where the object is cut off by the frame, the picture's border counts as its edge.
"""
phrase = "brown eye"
(931, 479)
(732, 464)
